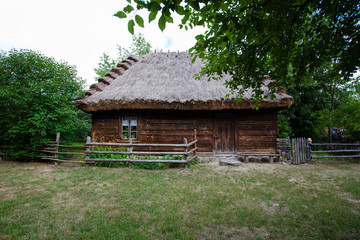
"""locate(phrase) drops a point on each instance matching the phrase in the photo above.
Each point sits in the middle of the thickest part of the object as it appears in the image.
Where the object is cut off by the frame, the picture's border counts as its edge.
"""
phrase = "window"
(129, 128)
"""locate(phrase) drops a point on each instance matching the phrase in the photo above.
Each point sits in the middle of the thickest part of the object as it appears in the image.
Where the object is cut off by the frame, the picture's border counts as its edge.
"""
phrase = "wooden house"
(155, 99)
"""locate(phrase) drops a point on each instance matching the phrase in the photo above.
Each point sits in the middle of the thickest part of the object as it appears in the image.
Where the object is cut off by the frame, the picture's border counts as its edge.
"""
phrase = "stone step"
(229, 161)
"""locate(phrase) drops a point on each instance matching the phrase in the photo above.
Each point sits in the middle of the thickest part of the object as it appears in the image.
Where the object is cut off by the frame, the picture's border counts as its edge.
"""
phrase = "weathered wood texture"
(300, 151)
(235, 131)
(257, 131)
(189, 154)
(353, 152)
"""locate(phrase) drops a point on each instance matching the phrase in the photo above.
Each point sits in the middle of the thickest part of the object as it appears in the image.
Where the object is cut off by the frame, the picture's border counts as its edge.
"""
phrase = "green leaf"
(139, 20)
(128, 9)
(224, 7)
(131, 25)
(162, 23)
(152, 16)
(129, 1)
(120, 14)
(154, 6)
(195, 5)
(180, 10)
(199, 37)
(169, 19)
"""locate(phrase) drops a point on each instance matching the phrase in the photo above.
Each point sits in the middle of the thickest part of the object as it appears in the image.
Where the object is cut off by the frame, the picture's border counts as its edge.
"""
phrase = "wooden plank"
(134, 144)
(138, 153)
(191, 159)
(259, 128)
(257, 138)
(346, 156)
(191, 151)
(135, 161)
(337, 151)
(169, 133)
(154, 122)
(257, 133)
(192, 143)
(334, 144)
(57, 152)
(257, 144)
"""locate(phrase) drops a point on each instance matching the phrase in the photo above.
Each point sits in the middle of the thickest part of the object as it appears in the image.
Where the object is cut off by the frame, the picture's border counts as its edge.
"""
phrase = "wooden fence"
(300, 151)
(55, 152)
(353, 152)
(189, 152)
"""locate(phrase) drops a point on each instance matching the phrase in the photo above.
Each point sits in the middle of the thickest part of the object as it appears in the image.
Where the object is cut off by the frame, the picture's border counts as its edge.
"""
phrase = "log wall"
(257, 131)
(254, 130)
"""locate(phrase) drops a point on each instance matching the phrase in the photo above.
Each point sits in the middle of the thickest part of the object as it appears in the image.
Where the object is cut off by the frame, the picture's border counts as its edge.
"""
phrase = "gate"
(300, 151)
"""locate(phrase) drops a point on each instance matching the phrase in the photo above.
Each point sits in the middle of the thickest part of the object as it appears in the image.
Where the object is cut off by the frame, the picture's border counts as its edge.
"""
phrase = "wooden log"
(135, 144)
(195, 140)
(192, 143)
(73, 146)
(191, 151)
(191, 159)
(293, 160)
(186, 151)
(335, 144)
(87, 151)
(57, 147)
(60, 160)
(69, 153)
(130, 149)
(346, 156)
(140, 153)
(337, 151)
(140, 161)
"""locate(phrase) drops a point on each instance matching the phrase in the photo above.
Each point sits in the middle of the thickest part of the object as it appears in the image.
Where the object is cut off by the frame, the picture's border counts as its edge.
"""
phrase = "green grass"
(253, 201)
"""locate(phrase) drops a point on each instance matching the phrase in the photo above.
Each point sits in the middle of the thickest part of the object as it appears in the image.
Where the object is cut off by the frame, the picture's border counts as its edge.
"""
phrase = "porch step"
(229, 161)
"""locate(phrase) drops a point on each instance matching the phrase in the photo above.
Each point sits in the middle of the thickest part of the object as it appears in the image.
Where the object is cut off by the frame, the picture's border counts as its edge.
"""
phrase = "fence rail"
(355, 151)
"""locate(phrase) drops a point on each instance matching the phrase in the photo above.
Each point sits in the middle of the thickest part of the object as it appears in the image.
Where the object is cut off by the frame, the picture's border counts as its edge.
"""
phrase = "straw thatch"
(166, 81)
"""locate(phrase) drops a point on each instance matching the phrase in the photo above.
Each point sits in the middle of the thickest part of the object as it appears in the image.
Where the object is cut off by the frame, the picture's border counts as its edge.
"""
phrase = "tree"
(139, 46)
(302, 117)
(346, 117)
(287, 40)
(37, 97)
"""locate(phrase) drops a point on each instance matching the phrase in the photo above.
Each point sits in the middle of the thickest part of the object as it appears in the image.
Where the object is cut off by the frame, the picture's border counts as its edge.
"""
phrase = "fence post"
(130, 149)
(195, 145)
(186, 151)
(358, 159)
(87, 151)
(309, 153)
(57, 143)
(293, 151)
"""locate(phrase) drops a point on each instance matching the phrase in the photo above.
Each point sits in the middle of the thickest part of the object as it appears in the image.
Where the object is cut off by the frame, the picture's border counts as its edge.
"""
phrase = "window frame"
(129, 132)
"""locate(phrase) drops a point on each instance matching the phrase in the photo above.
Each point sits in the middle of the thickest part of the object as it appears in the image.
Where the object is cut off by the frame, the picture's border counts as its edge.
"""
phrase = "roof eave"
(283, 103)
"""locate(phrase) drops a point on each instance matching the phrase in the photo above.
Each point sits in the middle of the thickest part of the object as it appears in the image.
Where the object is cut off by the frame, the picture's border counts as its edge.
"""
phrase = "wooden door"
(224, 134)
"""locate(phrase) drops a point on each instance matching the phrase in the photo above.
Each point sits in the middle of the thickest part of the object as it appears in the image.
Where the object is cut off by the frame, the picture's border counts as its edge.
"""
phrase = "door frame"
(217, 120)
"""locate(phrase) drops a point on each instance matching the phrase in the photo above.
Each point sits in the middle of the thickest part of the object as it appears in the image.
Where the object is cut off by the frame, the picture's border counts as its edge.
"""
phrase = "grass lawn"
(253, 201)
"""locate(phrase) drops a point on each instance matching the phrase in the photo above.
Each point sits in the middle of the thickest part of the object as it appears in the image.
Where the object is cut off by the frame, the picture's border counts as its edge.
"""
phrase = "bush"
(37, 97)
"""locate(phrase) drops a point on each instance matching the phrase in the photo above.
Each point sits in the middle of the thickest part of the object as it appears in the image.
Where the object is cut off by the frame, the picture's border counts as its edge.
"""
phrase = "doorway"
(224, 134)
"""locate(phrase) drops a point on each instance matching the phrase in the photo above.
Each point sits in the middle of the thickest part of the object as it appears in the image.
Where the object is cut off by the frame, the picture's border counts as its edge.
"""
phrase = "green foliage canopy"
(139, 46)
(37, 99)
(287, 40)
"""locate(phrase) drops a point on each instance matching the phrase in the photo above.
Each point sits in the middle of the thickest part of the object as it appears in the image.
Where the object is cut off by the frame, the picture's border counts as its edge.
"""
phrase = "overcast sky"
(79, 31)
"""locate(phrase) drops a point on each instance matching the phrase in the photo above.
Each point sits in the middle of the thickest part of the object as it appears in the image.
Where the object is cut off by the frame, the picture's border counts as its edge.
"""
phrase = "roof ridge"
(109, 77)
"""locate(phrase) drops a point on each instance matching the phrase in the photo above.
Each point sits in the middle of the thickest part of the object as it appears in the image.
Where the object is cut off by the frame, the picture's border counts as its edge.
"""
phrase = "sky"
(80, 31)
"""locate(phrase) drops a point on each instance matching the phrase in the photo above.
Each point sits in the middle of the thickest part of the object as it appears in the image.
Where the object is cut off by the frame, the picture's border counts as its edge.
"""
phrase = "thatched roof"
(166, 81)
